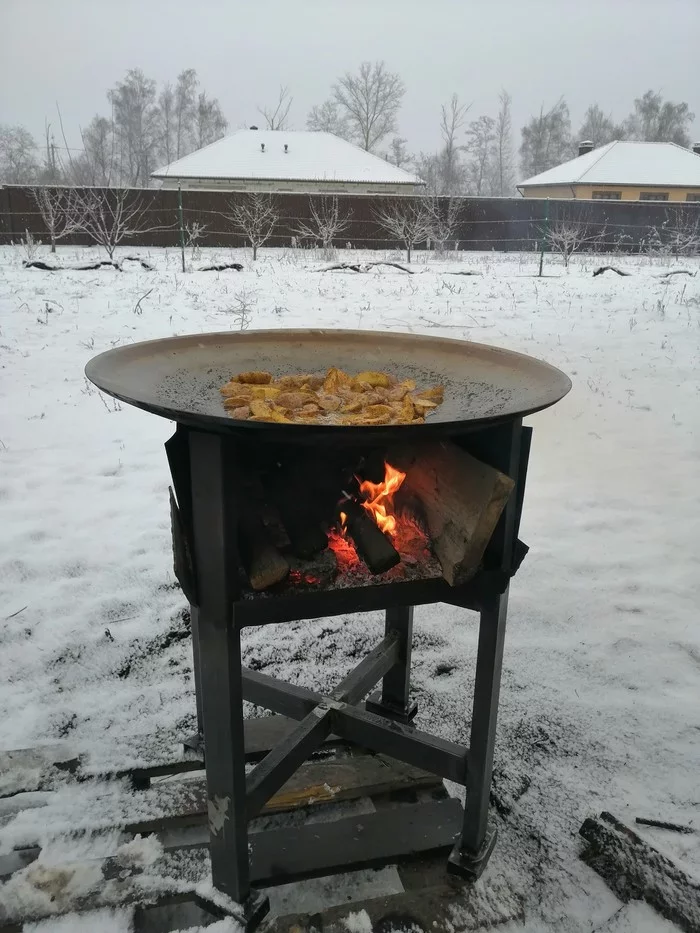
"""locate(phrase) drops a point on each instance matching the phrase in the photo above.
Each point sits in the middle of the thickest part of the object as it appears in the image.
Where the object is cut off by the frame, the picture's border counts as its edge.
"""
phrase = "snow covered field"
(599, 706)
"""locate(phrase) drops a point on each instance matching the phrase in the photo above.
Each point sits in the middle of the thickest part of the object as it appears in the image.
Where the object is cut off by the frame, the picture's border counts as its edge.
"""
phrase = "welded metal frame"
(220, 610)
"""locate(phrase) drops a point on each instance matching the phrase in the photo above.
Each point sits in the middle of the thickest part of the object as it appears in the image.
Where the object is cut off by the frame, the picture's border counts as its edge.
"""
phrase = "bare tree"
(446, 216)
(326, 223)
(600, 128)
(60, 211)
(370, 102)
(137, 126)
(452, 118)
(110, 217)
(443, 172)
(18, 164)
(408, 220)
(52, 169)
(398, 154)
(327, 118)
(166, 103)
(195, 231)
(276, 118)
(546, 140)
(567, 237)
(209, 122)
(481, 137)
(657, 120)
(255, 216)
(503, 180)
(678, 235)
(98, 164)
(185, 107)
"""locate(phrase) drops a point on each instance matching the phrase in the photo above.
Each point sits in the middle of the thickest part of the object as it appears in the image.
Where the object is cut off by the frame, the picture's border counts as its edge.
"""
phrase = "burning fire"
(379, 498)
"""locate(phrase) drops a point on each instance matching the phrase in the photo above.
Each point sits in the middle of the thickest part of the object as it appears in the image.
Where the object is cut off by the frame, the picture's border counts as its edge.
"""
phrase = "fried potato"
(235, 401)
(369, 398)
(240, 414)
(297, 382)
(376, 380)
(259, 408)
(329, 402)
(268, 393)
(436, 394)
(293, 400)
(380, 411)
(423, 404)
(255, 378)
(335, 378)
(353, 406)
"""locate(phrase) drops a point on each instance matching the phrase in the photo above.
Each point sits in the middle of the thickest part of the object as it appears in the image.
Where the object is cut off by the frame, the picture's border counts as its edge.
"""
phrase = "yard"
(599, 704)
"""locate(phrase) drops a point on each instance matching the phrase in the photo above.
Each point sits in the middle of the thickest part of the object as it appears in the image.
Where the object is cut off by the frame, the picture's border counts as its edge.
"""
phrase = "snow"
(626, 162)
(602, 663)
(311, 156)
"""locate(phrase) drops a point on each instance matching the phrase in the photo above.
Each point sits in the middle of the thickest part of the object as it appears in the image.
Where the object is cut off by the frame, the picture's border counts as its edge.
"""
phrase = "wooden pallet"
(411, 819)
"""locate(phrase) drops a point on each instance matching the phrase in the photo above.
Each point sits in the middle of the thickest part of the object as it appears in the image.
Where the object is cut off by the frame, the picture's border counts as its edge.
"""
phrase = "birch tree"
(481, 138)
(656, 120)
(137, 126)
(503, 175)
(546, 140)
(209, 122)
(185, 107)
(600, 128)
(18, 163)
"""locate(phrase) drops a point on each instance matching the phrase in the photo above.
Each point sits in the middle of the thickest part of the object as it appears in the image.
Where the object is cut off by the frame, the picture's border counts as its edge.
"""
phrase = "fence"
(483, 223)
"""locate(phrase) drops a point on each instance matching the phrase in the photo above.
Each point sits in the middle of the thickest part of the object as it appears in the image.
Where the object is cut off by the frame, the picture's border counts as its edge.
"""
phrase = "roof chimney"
(262, 147)
(253, 127)
(696, 148)
(585, 146)
(286, 147)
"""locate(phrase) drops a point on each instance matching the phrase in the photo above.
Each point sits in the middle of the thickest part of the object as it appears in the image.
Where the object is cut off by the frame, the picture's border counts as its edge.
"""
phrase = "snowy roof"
(311, 156)
(626, 163)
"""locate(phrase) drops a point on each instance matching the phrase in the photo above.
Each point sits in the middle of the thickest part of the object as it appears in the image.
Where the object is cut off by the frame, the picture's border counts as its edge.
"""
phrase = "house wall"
(585, 192)
(289, 187)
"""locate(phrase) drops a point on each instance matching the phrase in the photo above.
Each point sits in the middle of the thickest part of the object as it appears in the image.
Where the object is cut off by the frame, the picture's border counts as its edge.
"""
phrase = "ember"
(408, 536)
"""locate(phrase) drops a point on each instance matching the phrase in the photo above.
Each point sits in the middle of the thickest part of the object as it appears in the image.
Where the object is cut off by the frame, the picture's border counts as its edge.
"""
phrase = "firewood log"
(461, 498)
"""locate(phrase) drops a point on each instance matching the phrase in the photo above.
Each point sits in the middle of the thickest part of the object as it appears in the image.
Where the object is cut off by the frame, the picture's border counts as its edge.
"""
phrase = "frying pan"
(179, 377)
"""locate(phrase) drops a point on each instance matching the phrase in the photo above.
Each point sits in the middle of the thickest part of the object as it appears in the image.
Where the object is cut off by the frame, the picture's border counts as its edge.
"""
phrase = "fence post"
(182, 225)
(545, 234)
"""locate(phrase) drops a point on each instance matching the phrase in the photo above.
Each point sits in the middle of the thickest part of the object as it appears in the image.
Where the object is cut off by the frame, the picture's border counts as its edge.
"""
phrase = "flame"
(379, 498)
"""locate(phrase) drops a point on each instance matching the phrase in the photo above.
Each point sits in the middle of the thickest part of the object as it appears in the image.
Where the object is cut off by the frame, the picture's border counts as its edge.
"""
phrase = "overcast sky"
(609, 51)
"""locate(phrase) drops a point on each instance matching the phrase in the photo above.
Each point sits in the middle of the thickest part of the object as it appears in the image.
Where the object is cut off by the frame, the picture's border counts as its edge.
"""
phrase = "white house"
(625, 170)
(287, 161)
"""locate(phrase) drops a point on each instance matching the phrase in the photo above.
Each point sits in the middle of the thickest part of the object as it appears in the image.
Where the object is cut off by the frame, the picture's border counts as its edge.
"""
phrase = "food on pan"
(368, 398)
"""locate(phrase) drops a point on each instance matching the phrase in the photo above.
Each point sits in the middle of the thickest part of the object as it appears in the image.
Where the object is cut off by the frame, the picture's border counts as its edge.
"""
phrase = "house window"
(606, 195)
(653, 195)
(693, 196)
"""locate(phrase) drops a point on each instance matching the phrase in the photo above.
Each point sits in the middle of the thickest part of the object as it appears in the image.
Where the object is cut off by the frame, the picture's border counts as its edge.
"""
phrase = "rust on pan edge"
(179, 377)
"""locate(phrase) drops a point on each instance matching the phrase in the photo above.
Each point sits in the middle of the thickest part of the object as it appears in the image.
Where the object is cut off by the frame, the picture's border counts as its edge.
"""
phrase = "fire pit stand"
(206, 560)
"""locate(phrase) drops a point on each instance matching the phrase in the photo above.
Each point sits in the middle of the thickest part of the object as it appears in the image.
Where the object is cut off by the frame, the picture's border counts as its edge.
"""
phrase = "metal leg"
(220, 667)
(196, 741)
(472, 851)
(394, 701)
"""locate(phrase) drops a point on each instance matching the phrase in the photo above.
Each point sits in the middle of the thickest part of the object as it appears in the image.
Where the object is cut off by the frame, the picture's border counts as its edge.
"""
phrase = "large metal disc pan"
(179, 377)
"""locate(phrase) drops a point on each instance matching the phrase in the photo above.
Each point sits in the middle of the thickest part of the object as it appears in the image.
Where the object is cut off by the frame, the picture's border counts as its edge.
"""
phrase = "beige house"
(622, 171)
(287, 161)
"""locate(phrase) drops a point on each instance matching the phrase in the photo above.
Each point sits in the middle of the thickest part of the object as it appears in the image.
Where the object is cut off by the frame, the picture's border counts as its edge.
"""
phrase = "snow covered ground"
(599, 706)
